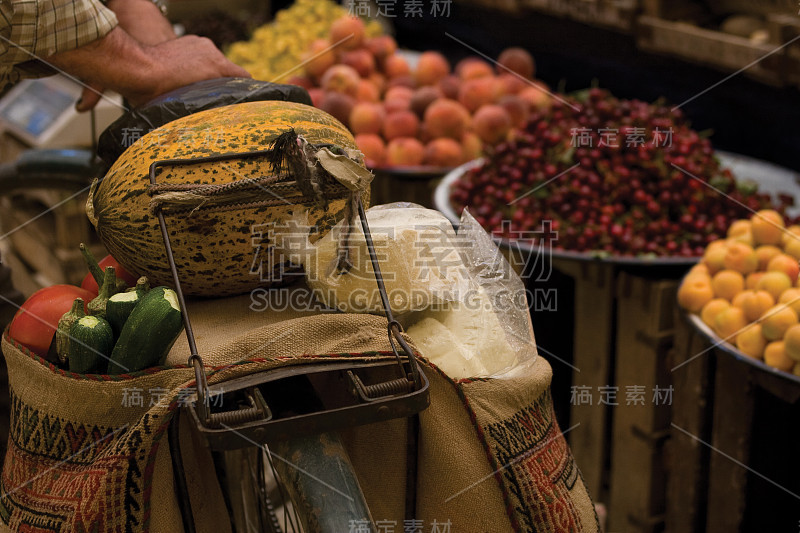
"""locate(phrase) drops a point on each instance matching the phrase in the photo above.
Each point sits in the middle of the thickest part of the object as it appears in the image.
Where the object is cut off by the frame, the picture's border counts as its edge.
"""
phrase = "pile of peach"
(746, 289)
(432, 115)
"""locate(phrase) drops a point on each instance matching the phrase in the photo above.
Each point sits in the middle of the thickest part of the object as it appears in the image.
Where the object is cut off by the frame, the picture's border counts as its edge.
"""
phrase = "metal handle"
(259, 410)
(394, 327)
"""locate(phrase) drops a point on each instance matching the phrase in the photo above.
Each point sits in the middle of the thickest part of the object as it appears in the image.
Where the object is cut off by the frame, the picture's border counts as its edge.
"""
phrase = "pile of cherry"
(622, 177)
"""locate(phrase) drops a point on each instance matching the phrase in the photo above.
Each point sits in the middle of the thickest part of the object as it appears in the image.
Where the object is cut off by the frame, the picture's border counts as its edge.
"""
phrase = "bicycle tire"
(322, 485)
(69, 170)
(316, 491)
(11, 183)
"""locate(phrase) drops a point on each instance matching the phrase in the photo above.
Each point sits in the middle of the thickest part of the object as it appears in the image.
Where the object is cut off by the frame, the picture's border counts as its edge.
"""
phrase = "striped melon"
(217, 252)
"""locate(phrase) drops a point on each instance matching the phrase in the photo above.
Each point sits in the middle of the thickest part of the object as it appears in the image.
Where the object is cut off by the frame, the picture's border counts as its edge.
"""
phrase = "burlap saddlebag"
(491, 456)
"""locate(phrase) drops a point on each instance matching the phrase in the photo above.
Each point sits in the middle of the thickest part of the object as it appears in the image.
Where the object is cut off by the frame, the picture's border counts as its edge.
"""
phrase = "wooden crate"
(714, 438)
(786, 29)
(640, 423)
(592, 357)
(736, 387)
(623, 331)
(716, 49)
(612, 14)
(749, 7)
(687, 459)
(653, 465)
(673, 9)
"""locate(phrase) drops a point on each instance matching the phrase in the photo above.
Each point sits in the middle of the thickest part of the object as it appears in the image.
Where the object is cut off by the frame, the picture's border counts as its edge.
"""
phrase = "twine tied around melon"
(301, 173)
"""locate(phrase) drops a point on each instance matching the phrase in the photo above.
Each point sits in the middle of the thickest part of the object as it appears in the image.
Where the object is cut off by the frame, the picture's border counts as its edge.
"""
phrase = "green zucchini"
(107, 290)
(92, 265)
(142, 286)
(97, 272)
(91, 342)
(119, 308)
(149, 333)
(64, 326)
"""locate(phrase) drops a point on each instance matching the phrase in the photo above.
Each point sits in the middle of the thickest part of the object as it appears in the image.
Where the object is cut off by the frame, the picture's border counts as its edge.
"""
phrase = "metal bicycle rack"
(302, 399)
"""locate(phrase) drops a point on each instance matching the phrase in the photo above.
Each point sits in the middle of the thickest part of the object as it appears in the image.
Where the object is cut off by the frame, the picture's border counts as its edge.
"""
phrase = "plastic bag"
(181, 102)
(420, 267)
(488, 332)
(458, 297)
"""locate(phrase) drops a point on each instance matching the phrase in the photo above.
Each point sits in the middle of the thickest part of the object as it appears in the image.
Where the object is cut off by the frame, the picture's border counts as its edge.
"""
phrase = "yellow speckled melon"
(216, 251)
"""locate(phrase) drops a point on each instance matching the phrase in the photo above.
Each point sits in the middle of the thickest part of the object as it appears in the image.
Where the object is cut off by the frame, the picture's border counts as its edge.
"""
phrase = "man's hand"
(142, 20)
(186, 60)
(141, 73)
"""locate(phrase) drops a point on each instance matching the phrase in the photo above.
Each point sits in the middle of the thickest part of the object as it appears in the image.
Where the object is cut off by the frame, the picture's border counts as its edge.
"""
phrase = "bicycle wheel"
(254, 497)
(301, 485)
(68, 170)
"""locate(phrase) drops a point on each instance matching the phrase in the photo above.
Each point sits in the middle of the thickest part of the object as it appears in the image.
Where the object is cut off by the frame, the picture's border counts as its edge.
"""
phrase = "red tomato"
(35, 323)
(90, 284)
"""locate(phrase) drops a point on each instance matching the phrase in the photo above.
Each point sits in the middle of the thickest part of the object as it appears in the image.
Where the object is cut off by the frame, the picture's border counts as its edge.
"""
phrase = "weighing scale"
(40, 130)
(41, 114)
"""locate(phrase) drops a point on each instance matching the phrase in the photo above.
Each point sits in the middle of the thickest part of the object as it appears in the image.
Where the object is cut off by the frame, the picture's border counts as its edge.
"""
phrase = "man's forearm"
(116, 61)
(140, 72)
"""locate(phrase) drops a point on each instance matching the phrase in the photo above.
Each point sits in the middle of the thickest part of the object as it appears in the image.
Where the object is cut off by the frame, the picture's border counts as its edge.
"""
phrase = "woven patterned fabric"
(537, 471)
(72, 472)
(491, 459)
(79, 460)
(491, 456)
(527, 453)
(60, 474)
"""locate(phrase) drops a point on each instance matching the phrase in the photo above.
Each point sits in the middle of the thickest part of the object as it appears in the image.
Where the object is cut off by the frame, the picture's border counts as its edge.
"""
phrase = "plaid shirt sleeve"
(32, 29)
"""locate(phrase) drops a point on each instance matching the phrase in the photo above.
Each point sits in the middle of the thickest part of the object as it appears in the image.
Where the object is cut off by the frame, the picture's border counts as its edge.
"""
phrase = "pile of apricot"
(434, 114)
(746, 289)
